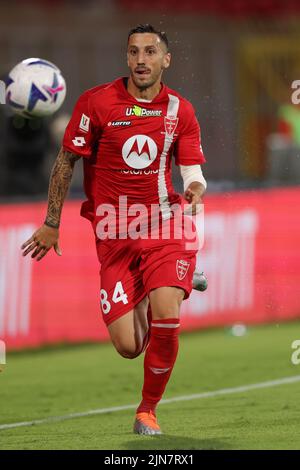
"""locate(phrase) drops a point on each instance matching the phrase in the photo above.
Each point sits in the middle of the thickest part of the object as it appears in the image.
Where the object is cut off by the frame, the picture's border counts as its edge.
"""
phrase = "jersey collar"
(121, 85)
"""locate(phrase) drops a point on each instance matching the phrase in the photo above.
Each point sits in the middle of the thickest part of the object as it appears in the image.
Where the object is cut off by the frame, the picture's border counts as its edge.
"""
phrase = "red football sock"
(159, 360)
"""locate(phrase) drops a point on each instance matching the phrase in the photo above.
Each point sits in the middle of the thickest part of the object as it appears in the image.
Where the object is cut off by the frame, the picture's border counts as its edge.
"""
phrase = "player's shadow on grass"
(169, 442)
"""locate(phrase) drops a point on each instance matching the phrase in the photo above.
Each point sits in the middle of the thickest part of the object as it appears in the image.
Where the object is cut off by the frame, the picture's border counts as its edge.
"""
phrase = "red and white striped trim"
(166, 325)
(157, 371)
(164, 203)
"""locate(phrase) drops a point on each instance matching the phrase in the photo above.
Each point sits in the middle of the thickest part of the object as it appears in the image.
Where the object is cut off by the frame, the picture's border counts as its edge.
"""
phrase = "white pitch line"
(197, 396)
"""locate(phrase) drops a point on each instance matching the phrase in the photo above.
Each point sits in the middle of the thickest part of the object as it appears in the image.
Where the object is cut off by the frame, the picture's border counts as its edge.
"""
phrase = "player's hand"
(193, 195)
(41, 242)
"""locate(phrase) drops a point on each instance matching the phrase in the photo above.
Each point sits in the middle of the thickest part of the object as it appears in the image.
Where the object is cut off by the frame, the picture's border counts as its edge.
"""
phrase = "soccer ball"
(35, 88)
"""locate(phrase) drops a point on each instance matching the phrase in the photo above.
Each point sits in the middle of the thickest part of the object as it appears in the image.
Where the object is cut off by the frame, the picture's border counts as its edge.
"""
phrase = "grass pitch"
(63, 380)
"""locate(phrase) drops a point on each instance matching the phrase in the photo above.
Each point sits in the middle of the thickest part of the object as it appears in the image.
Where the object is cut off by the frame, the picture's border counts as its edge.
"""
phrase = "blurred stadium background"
(235, 60)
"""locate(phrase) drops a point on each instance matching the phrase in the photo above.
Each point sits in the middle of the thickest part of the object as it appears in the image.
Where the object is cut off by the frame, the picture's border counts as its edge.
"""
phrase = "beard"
(143, 85)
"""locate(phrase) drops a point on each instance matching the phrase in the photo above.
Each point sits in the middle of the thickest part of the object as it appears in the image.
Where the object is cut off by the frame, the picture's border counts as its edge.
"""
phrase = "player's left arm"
(189, 156)
(194, 185)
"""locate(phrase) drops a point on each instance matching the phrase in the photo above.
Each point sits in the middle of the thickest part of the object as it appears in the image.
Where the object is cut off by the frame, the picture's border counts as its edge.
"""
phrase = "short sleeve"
(188, 149)
(82, 131)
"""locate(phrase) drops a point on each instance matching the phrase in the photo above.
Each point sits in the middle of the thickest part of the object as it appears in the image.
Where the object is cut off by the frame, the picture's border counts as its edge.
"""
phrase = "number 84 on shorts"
(118, 296)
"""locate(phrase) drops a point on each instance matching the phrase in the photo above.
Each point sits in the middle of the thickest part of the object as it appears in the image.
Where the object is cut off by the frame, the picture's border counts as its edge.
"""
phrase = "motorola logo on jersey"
(139, 151)
(139, 172)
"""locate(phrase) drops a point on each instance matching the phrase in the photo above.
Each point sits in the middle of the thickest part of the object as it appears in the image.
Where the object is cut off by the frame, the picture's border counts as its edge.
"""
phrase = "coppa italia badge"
(84, 123)
(182, 268)
(170, 124)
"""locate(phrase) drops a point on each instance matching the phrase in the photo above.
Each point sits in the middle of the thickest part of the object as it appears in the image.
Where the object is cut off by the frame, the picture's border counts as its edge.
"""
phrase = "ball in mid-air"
(35, 88)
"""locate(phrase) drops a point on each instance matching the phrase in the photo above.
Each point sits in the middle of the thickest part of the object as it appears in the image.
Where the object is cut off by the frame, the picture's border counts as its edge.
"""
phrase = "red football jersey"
(127, 145)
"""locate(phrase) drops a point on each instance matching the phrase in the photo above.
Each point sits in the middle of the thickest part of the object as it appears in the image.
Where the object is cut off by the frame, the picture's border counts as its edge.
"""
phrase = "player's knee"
(166, 302)
(164, 315)
(162, 312)
(127, 351)
(129, 354)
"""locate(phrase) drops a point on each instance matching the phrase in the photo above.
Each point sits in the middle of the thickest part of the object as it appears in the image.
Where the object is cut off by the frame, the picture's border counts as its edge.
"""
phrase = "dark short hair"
(148, 28)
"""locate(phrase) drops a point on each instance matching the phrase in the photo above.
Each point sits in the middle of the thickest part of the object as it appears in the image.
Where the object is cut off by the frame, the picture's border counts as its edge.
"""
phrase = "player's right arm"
(47, 236)
(78, 142)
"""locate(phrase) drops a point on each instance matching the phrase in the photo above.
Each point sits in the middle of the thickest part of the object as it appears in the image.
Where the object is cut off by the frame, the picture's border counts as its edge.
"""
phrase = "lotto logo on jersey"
(139, 151)
(119, 123)
(79, 141)
(138, 111)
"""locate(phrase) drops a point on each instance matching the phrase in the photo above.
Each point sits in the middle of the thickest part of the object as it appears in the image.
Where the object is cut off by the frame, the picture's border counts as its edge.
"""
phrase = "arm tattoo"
(60, 180)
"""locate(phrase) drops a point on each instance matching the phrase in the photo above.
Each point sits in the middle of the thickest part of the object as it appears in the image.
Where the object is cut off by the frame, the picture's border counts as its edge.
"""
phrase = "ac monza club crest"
(182, 268)
(139, 151)
(170, 124)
